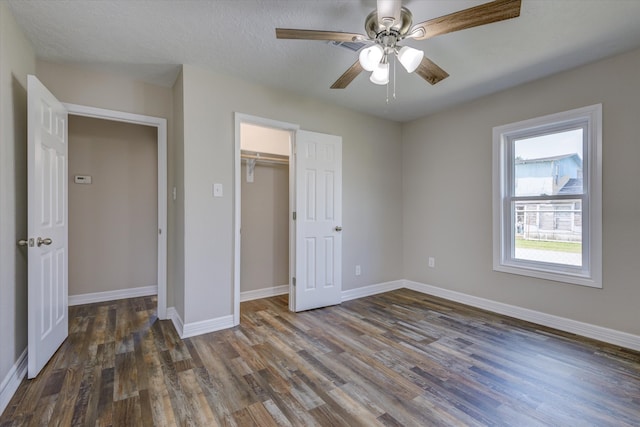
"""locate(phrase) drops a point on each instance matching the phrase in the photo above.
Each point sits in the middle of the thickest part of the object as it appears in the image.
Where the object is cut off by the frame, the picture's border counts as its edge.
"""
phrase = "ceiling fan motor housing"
(374, 28)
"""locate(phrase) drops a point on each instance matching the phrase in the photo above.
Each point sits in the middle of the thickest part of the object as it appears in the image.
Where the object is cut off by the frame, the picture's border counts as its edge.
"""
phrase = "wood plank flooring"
(399, 358)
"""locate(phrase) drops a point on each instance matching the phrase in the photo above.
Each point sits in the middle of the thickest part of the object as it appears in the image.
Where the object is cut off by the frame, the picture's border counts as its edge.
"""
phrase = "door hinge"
(294, 216)
(159, 230)
(294, 282)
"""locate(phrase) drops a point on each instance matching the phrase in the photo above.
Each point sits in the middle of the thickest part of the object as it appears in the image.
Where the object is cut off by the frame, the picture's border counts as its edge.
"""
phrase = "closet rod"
(259, 158)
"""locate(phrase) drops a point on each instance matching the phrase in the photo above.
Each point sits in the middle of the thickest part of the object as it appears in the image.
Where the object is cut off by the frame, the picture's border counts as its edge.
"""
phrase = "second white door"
(318, 225)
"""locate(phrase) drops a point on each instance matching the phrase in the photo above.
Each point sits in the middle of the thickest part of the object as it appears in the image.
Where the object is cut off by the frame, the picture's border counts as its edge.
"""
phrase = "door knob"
(45, 242)
(338, 228)
(23, 242)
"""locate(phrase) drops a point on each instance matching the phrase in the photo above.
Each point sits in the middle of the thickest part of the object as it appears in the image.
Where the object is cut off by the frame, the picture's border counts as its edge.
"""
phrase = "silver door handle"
(338, 228)
(23, 242)
(45, 242)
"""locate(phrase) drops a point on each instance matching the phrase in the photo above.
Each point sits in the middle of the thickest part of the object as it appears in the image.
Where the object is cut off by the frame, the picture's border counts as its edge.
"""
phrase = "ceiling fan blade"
(290, 33)
(389, 13)
(348, 76)
(429, 71)
(487, 13)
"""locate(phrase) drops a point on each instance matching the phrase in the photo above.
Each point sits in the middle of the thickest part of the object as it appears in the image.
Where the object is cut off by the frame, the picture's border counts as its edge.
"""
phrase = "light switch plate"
(217, 190)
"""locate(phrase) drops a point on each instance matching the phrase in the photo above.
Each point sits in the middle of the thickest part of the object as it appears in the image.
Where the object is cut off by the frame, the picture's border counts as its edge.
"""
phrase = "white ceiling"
(146, 40)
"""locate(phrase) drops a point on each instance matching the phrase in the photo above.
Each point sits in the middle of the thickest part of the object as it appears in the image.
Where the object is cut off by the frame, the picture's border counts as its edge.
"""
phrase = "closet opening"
(264, 190)
(264, 254)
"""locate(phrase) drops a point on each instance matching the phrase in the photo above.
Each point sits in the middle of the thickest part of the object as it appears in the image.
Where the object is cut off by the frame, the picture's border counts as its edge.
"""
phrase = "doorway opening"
(264, 168)
(160, 200)
(113, 231)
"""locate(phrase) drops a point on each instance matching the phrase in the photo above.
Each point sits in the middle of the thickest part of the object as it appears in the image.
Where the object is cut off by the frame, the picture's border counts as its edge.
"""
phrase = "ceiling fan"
(390, 24)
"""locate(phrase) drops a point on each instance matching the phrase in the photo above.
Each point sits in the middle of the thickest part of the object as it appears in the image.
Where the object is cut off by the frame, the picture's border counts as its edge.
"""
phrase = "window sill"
(541, 273)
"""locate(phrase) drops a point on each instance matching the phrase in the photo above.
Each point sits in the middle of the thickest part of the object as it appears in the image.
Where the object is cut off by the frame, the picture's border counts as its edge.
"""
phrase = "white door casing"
(47, 219)
(318, 269)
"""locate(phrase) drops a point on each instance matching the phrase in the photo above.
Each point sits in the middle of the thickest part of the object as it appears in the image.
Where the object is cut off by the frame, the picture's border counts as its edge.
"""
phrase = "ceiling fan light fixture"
(380, 75)
(370, 57)
(390, 24)
(410, 58)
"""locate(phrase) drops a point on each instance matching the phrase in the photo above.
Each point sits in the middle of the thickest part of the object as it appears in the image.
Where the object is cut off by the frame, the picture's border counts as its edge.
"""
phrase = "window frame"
(590, 273)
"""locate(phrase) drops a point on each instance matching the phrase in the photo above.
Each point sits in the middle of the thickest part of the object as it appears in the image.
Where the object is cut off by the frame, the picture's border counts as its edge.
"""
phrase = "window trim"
(590, 274)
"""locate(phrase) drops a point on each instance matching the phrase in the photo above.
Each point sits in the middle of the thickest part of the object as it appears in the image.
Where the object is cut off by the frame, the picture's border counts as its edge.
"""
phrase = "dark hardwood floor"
(400, 358)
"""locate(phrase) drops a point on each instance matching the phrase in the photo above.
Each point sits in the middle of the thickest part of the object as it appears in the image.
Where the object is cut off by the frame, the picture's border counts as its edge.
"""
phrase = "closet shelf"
(266, 158)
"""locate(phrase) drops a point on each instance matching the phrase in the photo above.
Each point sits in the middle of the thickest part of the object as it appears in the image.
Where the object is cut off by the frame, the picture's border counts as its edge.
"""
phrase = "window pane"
(548, 231)
(549, 164)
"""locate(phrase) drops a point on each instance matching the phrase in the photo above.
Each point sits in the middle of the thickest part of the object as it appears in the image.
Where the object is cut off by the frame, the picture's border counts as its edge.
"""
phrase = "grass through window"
(549, 245)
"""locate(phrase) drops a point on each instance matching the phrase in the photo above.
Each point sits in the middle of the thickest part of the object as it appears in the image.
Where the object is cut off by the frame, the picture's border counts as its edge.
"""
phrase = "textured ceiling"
(148, 39)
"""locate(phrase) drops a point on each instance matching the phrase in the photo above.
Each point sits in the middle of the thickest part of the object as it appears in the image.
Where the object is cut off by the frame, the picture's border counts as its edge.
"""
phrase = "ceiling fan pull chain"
(387, 92)
(394, 78)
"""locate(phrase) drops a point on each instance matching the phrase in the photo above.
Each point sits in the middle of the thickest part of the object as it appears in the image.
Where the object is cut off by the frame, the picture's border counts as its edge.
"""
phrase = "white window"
(547, 197)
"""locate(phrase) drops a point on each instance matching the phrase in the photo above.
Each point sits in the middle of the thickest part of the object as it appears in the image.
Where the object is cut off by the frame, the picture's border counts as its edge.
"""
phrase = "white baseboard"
(174, 316)
(205, 326)
(94, 297)
(366, 291)
(588, 330)
(187, 330)
(264, 293)
(10, 383)
(350, 294)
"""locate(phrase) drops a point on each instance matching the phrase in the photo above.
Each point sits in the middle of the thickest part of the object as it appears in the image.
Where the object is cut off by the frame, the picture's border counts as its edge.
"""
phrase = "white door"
(47, 224)
(318, 254)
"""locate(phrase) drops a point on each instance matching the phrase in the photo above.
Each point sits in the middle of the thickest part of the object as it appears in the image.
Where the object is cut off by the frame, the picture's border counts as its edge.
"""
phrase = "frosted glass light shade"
(410, 58)
(371, 57)
(380, 75)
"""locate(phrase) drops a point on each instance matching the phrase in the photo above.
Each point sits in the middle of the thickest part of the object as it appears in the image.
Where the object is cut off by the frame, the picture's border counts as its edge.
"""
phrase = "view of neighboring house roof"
(550, 159)
(573, 186)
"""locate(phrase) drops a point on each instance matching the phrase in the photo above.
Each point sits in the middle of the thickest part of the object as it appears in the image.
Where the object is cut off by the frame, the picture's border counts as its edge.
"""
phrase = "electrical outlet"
(432, 262)
(358, 270)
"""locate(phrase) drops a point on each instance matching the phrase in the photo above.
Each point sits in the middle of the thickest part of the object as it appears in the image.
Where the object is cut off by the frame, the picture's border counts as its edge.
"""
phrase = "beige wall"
(372, 184)
(77, 85)
(113, 222)
(447, 195)
(17, 59)
(265, 227)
